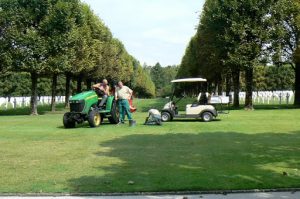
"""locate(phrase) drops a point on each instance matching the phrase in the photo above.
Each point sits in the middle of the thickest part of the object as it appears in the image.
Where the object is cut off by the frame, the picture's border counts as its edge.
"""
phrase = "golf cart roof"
(189, 80)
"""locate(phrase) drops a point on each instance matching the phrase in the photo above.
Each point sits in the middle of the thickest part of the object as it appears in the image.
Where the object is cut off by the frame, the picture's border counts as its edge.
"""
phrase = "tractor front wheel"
(94, 118)
(68, 123)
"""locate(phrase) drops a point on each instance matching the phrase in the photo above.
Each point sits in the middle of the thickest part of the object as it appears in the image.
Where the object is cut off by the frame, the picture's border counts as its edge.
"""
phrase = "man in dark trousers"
(123, 94)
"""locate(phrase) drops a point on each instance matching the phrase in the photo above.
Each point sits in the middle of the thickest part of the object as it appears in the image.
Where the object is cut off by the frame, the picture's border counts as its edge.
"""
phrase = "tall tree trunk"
(53, 92)
(216, 88)
(220, 85)
(297, 84)
(79, 86)
(236, 88)
(67, 94)
(249, 88)
(220, 89)
(33, 100)
(228, 84)
(88, 84)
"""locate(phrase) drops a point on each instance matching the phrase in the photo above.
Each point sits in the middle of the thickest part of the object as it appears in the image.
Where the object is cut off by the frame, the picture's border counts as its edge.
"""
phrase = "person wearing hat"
(102, 90)
(123, 94)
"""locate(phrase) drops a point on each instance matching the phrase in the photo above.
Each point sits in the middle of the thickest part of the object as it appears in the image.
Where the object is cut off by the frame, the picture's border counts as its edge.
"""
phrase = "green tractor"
(84, 107)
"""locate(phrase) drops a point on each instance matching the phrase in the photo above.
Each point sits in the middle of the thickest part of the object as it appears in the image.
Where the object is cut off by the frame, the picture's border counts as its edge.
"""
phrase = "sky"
(151, 30)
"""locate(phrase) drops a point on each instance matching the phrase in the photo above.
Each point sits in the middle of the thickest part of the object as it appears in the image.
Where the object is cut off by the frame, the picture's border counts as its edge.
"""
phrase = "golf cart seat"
(201, 100)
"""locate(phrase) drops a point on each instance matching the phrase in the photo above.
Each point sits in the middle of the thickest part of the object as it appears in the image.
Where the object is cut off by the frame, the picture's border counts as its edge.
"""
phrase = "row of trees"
(49, 38)
(236, 36)
(18, 84)
(162, 76)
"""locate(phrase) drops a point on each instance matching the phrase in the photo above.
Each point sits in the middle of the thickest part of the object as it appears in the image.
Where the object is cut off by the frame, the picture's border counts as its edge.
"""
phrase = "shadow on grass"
(186, 162)
(42, 110)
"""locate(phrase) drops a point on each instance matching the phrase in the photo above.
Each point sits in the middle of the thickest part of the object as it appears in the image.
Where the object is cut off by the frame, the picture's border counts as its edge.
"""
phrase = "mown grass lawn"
(243, 150)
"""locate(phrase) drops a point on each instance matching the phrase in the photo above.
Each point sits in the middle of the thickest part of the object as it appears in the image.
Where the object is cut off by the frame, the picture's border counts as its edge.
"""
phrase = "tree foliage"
(162, 77)
(235, 36)
(286, 38)
(48, 38)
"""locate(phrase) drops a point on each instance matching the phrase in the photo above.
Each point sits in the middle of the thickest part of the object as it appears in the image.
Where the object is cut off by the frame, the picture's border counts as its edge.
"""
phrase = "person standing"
(122, 95)
(102, 91)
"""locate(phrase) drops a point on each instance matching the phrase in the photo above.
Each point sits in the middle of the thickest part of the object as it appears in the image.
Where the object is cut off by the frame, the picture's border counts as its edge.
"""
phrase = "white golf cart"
(204, 108)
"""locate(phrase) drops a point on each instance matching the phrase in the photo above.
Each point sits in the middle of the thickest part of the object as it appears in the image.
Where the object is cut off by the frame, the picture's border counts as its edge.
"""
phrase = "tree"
(286, 38)
(57, 28)
(157, 76)
(246, 33)
(231, 35)
(35, 33)
(52, 37)
(141, 81)
(8, 85)
(206, 55)
(162, 77)
(26, 44)
(80, 47)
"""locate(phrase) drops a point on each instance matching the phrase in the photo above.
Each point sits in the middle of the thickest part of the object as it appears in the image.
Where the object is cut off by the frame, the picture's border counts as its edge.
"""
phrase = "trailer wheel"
(165, 117)
(94, 118)
(207, 116)
(67, 122)
(114, 114)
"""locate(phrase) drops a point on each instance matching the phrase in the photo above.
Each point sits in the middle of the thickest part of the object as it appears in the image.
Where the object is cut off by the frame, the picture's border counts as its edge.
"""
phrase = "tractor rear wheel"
(94, 118)
(68, 123)
(114, 114)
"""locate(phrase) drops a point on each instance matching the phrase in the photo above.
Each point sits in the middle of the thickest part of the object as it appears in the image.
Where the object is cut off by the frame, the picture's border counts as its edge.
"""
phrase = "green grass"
(242, 150)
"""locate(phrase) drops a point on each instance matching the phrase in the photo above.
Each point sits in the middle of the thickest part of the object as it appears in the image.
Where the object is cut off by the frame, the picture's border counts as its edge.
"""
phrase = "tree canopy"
(52, 37)
(234, 36)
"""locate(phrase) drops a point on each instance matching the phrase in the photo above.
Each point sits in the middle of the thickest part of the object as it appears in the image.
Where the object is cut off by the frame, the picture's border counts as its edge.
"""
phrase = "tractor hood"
(88, 95)
(82, 102)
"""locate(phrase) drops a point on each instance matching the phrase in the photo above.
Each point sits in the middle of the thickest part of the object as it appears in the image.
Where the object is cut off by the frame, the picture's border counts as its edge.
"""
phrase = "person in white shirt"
(122, 95)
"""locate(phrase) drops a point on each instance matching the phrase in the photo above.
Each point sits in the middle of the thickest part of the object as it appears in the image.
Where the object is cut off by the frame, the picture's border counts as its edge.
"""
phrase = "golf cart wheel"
(94, 118)
(165, 117)
(67, 122)
(207, 116)
(114, 114)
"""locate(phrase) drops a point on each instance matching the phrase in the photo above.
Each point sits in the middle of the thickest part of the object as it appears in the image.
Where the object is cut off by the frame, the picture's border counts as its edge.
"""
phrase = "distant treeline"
(162, 77)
